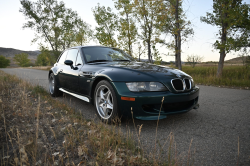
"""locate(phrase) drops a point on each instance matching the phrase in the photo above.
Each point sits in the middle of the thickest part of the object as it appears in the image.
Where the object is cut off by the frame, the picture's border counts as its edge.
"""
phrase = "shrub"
(22, 59)
(4, 62)
(45, 58)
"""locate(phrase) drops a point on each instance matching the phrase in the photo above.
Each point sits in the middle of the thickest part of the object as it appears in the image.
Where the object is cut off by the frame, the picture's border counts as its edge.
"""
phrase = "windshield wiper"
(101, 60)
(121, 60)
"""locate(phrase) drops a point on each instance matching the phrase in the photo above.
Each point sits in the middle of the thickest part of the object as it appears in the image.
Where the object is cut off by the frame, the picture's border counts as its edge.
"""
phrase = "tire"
(105, 102)
(53, 86)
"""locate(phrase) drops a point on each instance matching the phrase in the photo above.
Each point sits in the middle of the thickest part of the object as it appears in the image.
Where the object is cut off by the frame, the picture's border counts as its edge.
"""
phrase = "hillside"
(11, 52)
(236, 60)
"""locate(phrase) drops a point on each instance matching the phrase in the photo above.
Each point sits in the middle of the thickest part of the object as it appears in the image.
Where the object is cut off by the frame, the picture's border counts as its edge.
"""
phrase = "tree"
(146, 12)
(127, 28)
(156, 56)
(83, 32)
(45, 17)
(4, 62)
(55, 24)
(68, 28)
(22, 59)
(140, 51)
(232, 18)
(172, 21)
(107, 25)
(194, 59)
(45, 58)
(247, 64)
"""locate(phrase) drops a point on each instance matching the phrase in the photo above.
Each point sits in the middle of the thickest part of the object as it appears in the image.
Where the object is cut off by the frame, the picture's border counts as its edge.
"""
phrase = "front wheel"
(53, 86)
(106, 102)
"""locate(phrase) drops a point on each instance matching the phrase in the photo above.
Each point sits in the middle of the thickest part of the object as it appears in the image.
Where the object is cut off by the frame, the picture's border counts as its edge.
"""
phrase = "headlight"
(145, 86)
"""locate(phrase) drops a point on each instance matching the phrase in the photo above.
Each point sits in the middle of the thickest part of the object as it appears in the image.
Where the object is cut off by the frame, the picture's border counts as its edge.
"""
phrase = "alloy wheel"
(51, 84)
(104, 102)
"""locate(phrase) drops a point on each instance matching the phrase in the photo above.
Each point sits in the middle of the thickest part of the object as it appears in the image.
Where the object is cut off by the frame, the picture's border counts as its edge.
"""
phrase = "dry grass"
(232, 76)
(36, 129)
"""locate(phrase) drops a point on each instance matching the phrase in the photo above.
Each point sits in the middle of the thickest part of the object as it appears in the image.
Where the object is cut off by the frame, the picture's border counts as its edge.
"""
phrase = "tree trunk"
(179, 49)
(224, 26)
(149, 52)
(129, 37)
(222, 52)
(139, 54)
(177, 38)
(176, 50)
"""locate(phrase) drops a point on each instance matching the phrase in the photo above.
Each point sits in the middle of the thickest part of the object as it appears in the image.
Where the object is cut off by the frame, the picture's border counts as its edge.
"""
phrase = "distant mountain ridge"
(11, 52)
(236, 60)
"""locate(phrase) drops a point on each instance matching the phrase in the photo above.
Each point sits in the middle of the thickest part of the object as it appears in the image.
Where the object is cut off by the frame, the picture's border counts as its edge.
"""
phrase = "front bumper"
(149, 105)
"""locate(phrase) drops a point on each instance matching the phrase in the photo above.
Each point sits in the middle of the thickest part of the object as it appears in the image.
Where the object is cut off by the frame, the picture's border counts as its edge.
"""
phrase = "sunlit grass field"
(232, 76)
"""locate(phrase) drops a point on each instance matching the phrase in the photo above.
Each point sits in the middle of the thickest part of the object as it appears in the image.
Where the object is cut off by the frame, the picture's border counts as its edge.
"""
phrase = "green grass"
(232, 76)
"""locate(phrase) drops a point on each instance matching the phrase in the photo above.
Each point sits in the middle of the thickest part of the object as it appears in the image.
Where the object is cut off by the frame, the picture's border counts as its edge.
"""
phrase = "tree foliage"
(45, 58)
(172, 21)
(146, 12)
(232, 18)
(4, 62)
(156, 55)
(56, 25)
(107, 25)
(127, 27)
(83, 33)
(22, 59)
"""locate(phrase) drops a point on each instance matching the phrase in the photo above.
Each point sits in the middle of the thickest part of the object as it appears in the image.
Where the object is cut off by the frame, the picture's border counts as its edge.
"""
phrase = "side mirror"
(69, 63)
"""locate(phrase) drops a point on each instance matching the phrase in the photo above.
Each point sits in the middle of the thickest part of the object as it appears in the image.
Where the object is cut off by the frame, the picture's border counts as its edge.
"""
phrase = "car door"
(71, 73)
(60, 66)
(86, 73)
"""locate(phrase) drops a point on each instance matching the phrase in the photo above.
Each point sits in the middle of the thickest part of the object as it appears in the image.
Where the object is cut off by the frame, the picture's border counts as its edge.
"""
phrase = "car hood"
(135, 71)
(151, 69)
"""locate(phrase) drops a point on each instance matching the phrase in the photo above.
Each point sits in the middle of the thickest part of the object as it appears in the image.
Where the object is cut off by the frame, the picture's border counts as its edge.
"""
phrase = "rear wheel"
(53, 86)
(106, 102)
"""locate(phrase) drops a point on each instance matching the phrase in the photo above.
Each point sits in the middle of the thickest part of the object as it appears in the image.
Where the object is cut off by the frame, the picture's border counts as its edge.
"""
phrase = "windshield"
(102, 54)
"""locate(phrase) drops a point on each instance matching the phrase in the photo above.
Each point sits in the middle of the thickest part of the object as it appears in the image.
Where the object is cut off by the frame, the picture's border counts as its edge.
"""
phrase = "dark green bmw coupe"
(114, 82)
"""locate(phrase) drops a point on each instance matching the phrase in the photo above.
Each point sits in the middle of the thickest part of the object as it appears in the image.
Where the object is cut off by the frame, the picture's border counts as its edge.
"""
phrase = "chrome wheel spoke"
(110, 106)
(106, 95)
(99, 100)
(100, 105)
(51, 84)
(105, 111)
(101, 94)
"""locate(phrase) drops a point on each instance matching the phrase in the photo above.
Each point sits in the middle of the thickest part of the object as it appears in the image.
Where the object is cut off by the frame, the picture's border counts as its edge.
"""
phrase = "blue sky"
(13, 36)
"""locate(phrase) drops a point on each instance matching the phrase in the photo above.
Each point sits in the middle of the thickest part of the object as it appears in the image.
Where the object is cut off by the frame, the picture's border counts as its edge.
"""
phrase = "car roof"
(88, 46)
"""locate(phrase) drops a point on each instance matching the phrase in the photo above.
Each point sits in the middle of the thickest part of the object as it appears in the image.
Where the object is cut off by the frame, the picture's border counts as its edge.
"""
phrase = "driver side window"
(72, 54)
(62, 58)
